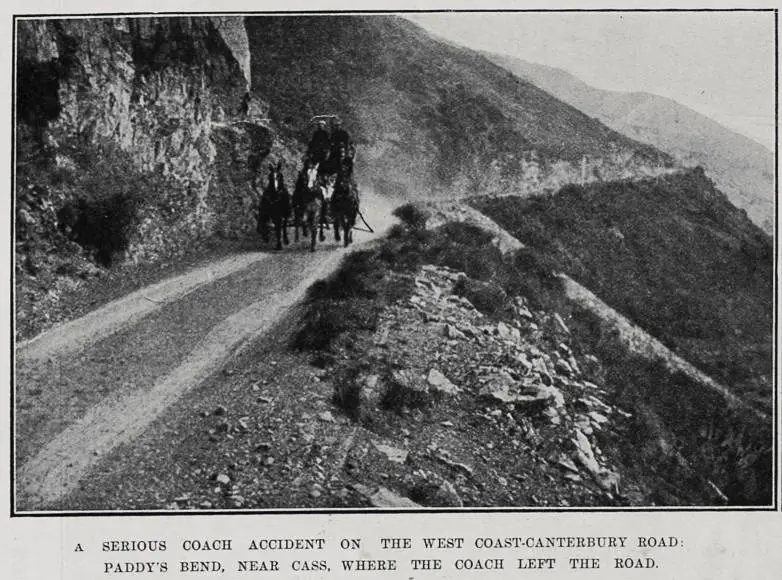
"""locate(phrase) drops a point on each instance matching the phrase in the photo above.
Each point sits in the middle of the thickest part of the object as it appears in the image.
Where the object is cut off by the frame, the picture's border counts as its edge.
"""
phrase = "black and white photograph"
(424, 261)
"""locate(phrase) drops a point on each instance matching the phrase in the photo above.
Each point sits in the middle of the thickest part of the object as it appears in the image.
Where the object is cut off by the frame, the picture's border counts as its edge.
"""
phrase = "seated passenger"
(320, 144)
(339, 138)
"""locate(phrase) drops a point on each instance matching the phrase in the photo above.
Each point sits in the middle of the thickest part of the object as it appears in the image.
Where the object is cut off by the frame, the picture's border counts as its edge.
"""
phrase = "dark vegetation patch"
(487, 297)
(671, 254)
(348, 389)
(65, 197)
(347, 302)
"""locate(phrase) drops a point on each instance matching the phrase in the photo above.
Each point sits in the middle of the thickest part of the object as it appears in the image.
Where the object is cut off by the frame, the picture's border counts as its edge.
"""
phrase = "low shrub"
(328, 319)
(396, 231)
(487, 297)
(404, 389)
(412, 216)
(348, 390)
(349, 301)
(101, 225)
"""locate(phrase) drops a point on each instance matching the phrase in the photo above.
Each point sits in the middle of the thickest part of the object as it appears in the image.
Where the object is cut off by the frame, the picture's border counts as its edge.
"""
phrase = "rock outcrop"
(234, 34)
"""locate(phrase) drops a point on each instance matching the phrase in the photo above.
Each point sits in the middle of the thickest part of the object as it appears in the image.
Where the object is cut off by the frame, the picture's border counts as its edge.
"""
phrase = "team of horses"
(319, 198)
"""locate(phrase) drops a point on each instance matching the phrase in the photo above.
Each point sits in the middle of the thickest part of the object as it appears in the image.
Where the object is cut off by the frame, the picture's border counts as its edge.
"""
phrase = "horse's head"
(327, 187)
(276, 179)
(312, 176)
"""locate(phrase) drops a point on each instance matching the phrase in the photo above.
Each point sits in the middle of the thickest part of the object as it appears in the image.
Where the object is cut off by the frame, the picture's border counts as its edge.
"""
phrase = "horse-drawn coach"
(325, 193)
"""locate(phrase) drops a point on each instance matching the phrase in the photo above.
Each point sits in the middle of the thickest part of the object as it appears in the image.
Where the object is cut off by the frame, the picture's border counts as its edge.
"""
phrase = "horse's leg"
(264, 226)
(352, 214)
(312, 218)
(286, 219)
(322, 222)
(259, 222)
(336, 225)
(278, 231)
(295, 224)
(303, 221)
(347, 231)
(324, 216)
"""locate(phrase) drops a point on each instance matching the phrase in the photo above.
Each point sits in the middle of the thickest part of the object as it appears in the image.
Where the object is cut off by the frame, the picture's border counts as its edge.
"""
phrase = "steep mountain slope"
(429, 115)
(674, 256)
(741, 168)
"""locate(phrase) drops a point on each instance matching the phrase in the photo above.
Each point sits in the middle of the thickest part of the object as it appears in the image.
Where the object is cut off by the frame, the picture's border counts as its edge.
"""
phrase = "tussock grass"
(487, 297)
(412, 216)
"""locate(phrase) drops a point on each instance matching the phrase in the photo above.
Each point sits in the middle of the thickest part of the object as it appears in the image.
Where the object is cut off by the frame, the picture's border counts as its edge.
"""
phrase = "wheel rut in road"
(59, 466)
(78, 334)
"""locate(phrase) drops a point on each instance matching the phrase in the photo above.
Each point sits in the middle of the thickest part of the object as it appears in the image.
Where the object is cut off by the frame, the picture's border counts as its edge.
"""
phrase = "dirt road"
(90, 385)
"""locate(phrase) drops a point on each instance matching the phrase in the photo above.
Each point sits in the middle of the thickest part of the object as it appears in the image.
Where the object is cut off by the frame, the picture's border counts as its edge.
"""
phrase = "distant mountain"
(428, 116)
(741, 168)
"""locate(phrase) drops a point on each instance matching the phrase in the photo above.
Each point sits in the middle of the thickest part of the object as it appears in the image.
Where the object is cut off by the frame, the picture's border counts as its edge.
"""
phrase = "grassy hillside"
(742, 168)
(674, 256)
(428, 115)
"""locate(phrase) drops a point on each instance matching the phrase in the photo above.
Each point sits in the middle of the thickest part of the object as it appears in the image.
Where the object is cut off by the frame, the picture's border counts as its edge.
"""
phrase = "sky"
(719, 64)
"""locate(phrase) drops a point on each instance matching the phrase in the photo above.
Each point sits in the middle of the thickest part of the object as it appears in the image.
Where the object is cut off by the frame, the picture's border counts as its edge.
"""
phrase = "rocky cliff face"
(126, 129)
(145, 93)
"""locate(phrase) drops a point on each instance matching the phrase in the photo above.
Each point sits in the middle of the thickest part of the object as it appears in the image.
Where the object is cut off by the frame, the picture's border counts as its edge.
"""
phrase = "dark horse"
(309, 202)
(344, 207)
(275, 206)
